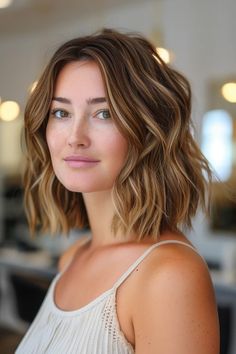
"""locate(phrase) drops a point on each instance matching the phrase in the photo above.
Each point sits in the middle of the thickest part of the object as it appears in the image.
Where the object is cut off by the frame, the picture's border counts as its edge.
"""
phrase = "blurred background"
(197, 38)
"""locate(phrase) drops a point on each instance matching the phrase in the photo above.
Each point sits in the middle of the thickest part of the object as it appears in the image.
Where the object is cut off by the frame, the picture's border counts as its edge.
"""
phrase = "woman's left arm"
(175, 311)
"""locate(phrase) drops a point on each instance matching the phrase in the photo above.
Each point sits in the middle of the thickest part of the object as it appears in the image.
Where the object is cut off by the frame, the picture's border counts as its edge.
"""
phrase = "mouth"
(80, 161)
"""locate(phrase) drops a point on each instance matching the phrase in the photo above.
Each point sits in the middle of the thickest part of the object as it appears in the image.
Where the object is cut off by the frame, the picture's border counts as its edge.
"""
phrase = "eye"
(59, 113)
(103, 114)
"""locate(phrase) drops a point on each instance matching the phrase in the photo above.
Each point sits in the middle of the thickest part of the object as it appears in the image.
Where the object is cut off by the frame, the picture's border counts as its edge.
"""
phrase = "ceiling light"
(5, 3)
(9, 110)
(229, 91)
(164, 54)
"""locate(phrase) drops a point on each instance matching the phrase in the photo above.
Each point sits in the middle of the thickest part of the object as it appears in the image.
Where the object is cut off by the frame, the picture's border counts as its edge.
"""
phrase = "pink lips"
(80, 161)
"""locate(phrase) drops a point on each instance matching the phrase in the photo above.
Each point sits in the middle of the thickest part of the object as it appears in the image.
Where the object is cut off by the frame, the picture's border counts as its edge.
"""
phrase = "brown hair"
(165, 176)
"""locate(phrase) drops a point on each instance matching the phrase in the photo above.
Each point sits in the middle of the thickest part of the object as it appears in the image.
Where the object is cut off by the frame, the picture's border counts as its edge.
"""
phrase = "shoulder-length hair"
(165, 176)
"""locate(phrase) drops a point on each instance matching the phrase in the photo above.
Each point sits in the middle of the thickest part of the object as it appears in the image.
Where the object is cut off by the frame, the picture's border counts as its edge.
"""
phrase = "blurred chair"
(226, 301)
(225, 318)
(29, 294)
(9, 340)
(30, 291)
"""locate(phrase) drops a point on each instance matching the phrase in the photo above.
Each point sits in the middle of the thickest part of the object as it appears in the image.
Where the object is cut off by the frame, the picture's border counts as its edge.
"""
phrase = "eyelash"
(103, 111)
(57, 110)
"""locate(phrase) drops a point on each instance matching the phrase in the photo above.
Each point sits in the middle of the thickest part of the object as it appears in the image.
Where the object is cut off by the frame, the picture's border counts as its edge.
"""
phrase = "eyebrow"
(89, 101)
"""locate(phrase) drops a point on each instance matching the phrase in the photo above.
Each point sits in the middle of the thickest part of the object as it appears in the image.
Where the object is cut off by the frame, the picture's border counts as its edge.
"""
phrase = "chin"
(86, 188)
(86, 184)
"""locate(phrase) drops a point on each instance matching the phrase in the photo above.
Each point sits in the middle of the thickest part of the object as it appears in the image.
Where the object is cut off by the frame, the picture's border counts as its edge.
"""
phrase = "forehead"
(80, 78)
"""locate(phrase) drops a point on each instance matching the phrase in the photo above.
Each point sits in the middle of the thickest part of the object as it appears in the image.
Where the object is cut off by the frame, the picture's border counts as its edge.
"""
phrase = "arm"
(175, 311)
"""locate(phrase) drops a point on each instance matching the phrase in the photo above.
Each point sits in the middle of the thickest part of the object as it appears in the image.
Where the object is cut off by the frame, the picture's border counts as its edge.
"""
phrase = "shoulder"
(179, 315)
(175, 265)
(67, 256)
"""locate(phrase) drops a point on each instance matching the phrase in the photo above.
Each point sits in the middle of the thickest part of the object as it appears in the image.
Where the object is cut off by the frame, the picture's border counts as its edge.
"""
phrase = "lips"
(80, 161)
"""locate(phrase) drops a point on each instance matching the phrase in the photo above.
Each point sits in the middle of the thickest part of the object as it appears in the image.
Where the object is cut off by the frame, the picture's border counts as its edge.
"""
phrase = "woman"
(110, 147)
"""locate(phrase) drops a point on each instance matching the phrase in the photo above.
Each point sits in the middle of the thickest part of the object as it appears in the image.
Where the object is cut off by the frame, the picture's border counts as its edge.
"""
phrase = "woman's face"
(87, 150)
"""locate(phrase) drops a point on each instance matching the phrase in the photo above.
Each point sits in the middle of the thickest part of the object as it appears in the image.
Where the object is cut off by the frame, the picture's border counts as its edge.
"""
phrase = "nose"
(79, 133)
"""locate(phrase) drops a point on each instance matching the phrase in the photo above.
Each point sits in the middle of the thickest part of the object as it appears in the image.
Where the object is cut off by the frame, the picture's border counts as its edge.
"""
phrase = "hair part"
(165, 176)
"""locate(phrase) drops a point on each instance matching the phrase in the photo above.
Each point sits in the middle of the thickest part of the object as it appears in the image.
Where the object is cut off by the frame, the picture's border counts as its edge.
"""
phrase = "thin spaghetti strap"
(144, 255)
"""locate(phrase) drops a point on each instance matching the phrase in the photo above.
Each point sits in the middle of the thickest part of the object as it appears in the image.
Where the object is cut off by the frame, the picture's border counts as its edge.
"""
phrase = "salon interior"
(197, 38)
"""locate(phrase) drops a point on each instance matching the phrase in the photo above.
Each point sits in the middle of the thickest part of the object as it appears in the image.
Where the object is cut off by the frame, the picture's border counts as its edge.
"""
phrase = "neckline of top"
(58, 310)
(103, 295)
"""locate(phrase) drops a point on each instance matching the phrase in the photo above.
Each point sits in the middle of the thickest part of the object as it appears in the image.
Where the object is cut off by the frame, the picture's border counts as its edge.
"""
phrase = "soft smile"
(80, 161)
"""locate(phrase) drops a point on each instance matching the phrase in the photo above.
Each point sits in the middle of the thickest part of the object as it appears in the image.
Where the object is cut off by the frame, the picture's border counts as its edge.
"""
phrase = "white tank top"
(92, 329)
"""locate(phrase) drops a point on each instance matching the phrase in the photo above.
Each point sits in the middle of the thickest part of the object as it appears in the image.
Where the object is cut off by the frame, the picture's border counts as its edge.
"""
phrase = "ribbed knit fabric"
(92, 329)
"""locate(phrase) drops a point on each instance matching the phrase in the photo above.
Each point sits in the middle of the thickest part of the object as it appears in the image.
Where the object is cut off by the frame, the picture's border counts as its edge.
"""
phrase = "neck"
(100, 209)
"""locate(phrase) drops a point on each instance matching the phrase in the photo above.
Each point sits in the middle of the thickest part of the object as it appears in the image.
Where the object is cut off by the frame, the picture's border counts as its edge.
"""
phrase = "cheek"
(118, 147)
(121, 144)
(53, 139)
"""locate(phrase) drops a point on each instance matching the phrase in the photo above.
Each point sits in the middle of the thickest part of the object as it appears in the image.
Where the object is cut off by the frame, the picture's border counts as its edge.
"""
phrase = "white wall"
(200, 33)
(23, 55)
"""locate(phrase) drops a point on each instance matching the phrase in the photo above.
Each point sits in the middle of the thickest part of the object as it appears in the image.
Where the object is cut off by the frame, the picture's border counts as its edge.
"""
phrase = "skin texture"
(78, 127)
(167, 304)
(179, 314)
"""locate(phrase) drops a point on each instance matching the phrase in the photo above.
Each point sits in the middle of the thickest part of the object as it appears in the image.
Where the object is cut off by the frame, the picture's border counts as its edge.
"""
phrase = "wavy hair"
(165, 176)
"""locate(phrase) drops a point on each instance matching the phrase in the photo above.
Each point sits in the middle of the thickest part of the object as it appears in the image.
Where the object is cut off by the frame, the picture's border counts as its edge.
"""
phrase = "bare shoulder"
(180, 313)
(176, 265)
(69, 253)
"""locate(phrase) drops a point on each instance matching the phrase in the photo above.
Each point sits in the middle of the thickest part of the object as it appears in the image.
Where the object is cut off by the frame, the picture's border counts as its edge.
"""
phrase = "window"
(217, 143)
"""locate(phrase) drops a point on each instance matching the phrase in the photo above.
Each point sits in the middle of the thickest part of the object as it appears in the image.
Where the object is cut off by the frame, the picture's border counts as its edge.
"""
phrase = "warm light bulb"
(229, 91)
(5, 3)
(9, 110)
(164, 54)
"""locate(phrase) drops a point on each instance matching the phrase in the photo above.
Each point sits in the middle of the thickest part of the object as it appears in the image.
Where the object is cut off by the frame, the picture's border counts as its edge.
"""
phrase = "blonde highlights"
(165, 176)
